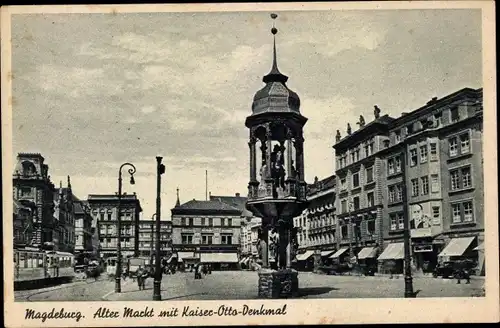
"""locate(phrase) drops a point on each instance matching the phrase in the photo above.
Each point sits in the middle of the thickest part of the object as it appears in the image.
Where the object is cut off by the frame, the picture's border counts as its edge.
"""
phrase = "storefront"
(459, 249)
(305, 261)
(220, 261)
(341, 255)
(368, 258)
(392, 258)
(325, 256)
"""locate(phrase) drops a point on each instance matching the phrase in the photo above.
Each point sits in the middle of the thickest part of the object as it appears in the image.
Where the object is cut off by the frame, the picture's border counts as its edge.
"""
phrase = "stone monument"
(279, 194)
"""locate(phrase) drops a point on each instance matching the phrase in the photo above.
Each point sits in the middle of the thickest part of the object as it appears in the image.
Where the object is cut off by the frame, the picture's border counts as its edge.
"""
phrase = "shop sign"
(422, 248)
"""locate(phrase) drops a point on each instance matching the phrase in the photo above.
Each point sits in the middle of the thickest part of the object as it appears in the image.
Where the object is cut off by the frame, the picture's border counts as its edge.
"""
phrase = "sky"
(92, 91)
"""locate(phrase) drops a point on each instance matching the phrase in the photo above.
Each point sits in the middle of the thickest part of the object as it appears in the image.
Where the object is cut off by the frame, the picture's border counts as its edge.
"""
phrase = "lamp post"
(131, 171)
(406, 233)
(152, 238)
(160, 169)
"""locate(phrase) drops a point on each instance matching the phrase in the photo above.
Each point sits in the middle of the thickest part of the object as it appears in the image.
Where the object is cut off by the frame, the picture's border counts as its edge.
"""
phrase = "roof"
(206, 205)
(321, 185)
(236, 202)
(78, 208)
(375, 125)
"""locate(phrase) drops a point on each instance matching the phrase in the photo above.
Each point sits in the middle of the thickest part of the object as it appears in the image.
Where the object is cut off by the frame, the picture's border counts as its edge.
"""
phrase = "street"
(224, 285)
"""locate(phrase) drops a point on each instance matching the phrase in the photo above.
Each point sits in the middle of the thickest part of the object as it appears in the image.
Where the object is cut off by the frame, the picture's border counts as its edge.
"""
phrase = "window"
(468, 212)
(392, 194)
(227, 239)
(409, 129)
(464, 143)
(390, 166)
(460, 178)
(370, 227)
(437, 119)
(414, 187)
(436, 215)
(203, 221)
(343, 232)
(207, 239)
(343, 184)
(230, 222)
(187, 239)
(401, 221)
(109, 216)
(453, 143)
(356, 202)
(399, 192)
(433, 151)
(434, 183)
(454, 114)
(369, 148)
(466, 177)
(343, 206)
(355, 180)
(210, 222)
(413, 157)
(425, 185)
(102, 216)
(397, 161)
(455, 209)
(423, 154)
(369, 174)
(183, 221)
(370, 199)
(397, 136)
(223, 222)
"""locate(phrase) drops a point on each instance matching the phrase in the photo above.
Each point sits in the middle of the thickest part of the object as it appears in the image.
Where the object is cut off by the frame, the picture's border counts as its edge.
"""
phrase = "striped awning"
(367, 253)
(457, 246)
(304, 256)
(219, 258)
(394, 251)
(339, 252)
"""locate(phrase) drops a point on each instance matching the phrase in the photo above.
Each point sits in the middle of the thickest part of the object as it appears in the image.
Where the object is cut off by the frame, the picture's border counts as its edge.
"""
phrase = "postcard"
(228, 164)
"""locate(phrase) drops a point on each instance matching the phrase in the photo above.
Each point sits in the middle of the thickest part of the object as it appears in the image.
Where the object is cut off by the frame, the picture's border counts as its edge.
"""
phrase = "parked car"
(445, 270)
(454, 268)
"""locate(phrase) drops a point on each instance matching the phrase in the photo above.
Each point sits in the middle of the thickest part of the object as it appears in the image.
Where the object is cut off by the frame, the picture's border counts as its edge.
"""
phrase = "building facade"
(64, 218)
(104, 211)
(360, 189)
(208, 232)
(317, 225)
(33, 189)
(426, 165)
(24, 215)
(147, 237)
(83, 228)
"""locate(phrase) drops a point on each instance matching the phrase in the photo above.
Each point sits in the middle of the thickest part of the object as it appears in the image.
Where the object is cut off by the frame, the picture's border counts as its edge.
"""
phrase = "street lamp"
(152, 238)
(160, 169)
(406, 233)
(118, 272)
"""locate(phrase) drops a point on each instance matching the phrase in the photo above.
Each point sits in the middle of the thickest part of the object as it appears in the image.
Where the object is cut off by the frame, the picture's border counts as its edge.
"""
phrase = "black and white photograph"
(265, 155)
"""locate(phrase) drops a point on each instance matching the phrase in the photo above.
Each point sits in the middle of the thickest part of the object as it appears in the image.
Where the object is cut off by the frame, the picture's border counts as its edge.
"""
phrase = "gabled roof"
(236, 202)
(207, 205)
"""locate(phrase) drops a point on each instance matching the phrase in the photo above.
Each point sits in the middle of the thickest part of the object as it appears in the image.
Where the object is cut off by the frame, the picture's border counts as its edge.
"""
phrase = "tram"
(37, 265)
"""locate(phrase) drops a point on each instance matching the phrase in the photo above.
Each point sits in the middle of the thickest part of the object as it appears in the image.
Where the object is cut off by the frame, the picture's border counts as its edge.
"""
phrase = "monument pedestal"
(278, 283)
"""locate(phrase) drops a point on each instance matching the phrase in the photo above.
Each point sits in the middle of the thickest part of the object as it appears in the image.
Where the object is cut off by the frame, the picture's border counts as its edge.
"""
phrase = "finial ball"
(274, 16)
(274, 30)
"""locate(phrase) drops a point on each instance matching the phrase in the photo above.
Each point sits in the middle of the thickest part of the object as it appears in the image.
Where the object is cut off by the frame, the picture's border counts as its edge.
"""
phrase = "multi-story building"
(104, 211)
(443, 175)
(206, 231)
(359, 188)
(433, 156)
(317, 225)
(24, 216)
(64, 218)
(32, 188)
(83, 227)
(147, 237)
(249, 239)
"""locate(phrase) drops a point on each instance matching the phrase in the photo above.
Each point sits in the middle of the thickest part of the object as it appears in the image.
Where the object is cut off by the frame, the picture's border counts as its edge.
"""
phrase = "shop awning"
(339, 252)
(182, 255)
(243, 259)
(457, 246)
(367, 253)
(304, 256)
(394, 251)
(479, 248)
(327, 253)
(219, 258)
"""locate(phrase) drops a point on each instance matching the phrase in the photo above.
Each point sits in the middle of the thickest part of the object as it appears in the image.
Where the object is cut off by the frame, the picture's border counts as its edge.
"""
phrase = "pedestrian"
(140, 276)
(205, 270)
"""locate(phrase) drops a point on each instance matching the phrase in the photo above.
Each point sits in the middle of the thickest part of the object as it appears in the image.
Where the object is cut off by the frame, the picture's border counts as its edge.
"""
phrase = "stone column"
(289, 158)
(269, 145)
(288, 248)
(264, 243)
(283, 244)
(299, 147)
(253, 159)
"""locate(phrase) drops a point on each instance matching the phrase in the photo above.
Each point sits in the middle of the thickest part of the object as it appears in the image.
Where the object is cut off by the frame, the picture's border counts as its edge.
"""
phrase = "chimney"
(237, 194)
(433, 100)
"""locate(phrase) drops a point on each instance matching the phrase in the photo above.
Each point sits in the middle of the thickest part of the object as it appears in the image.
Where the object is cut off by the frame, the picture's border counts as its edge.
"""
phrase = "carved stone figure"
(277, 169)
(361, 122)
(349, 131)
(376, 112)
(338, 137)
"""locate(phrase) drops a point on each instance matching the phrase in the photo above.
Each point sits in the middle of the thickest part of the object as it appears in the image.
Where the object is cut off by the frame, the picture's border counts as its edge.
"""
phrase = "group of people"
(201, 269)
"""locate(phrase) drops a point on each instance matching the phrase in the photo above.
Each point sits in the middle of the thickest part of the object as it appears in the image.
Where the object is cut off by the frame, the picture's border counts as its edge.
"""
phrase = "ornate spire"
(274, 75)
(177, 203)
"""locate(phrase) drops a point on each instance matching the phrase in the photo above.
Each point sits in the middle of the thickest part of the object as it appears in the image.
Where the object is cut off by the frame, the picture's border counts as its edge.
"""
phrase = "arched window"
(28, 168)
